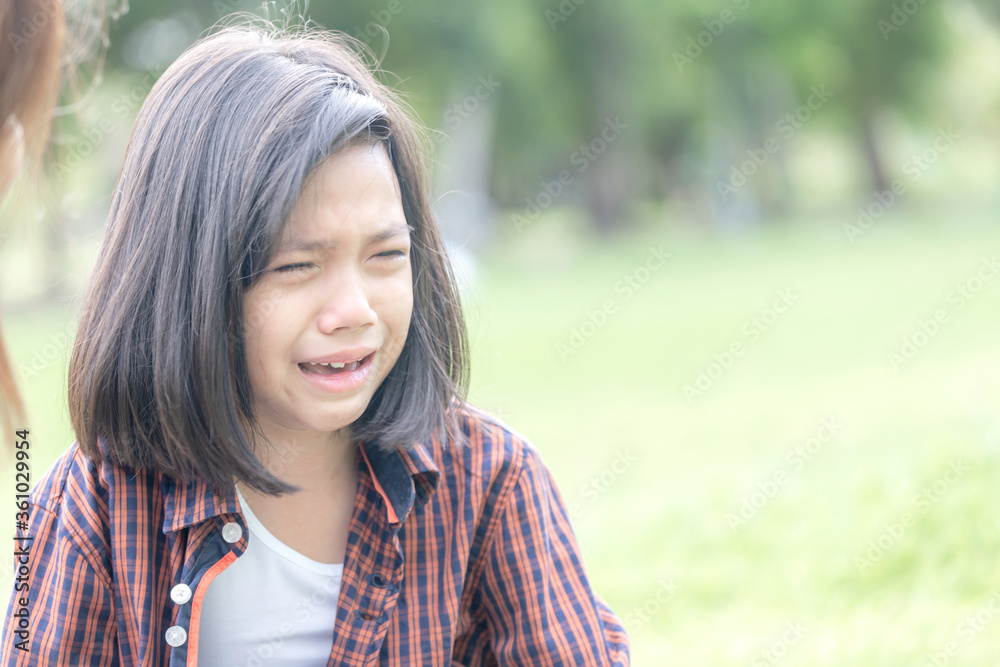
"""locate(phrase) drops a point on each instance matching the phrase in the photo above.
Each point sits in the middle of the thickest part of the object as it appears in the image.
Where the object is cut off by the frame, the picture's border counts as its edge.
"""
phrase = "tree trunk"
(609, 178)
(871, 152)
(608, 192)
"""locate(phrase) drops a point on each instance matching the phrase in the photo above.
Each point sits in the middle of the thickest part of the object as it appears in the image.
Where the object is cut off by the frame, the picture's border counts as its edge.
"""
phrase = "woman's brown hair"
(219, 153)
(30, 52)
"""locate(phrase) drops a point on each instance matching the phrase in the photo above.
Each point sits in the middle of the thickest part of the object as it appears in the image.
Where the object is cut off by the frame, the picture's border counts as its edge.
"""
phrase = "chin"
(340, 420)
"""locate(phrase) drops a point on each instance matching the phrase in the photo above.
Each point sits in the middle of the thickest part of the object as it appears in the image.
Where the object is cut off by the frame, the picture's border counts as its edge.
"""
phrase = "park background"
(730, 265)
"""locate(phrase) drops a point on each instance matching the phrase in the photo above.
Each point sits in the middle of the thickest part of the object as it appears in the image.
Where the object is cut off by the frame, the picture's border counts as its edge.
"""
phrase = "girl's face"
(328, 318)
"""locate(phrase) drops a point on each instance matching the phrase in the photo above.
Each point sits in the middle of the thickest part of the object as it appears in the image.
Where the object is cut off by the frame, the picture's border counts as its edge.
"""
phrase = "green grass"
(684, 466)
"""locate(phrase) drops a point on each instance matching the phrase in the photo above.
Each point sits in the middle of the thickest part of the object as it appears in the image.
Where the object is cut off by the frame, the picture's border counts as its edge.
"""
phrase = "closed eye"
(286, 268)
(391, 254)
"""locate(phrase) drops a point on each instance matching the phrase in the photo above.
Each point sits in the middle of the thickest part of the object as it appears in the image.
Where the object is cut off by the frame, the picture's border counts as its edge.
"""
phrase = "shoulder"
(75, 497)
(69, 511)
(72, 478)
(489, 446)
(487, 456)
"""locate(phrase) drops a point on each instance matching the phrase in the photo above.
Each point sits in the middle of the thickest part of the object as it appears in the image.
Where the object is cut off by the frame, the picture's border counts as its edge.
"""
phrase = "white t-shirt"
(272, 606)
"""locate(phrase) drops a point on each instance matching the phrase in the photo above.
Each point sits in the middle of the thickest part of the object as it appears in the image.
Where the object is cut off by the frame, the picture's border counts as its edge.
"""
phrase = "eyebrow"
(386, 234)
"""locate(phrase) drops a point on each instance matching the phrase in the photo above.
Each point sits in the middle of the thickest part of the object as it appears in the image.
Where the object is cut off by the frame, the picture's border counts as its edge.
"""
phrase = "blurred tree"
(762, 59)
(988, 9)
(891, 49)
(597, 103)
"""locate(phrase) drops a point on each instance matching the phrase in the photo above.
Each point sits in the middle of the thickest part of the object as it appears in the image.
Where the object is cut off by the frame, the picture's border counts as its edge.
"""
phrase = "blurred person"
(275, 457)
(30, 53)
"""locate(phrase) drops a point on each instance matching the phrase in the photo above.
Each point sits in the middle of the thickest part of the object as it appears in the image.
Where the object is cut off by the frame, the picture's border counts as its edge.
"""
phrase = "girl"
(275, 464)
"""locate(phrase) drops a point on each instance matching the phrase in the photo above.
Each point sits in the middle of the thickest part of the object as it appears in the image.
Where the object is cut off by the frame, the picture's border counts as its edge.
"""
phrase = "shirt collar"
(188, 503)
(403, 477)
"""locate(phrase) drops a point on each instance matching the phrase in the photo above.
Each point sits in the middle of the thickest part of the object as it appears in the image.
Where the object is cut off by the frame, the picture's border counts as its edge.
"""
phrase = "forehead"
(352, 193)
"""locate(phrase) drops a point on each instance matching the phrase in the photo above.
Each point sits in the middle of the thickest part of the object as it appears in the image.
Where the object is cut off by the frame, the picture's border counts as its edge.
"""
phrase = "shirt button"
(232, 532)
(176, 635)
(181, 593)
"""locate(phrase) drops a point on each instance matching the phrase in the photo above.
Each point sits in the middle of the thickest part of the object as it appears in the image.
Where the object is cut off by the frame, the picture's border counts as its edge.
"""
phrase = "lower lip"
(341, 382)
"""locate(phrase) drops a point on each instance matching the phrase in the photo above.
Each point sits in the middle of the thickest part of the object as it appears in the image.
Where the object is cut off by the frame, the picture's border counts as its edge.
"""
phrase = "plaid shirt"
(456, 556)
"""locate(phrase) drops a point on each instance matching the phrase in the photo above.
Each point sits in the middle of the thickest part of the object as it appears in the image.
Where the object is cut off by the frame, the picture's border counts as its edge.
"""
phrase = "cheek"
(394, 307)
(392, 298)
(258, 324)
(402, 307)
(404, 314)
(255, 364)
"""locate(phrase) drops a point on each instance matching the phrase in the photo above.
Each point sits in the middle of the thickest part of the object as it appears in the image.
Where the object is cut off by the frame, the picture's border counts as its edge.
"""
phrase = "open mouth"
(334, 368)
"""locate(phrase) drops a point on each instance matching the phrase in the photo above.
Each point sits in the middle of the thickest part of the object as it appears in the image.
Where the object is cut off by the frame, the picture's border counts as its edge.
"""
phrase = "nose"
(345, 306)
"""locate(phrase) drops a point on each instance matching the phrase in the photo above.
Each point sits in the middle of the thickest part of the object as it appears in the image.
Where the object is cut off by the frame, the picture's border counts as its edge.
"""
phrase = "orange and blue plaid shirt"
(457, 555)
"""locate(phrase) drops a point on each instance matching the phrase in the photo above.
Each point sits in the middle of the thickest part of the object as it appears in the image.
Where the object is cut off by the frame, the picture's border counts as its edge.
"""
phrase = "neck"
(316, 520)
(308, 459)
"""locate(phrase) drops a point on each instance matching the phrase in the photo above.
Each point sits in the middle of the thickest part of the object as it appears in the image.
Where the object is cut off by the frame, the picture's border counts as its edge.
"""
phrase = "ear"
(11, 151)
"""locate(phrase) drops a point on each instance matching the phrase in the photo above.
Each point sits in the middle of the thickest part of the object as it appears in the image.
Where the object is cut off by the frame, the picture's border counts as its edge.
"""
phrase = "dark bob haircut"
(219, 153)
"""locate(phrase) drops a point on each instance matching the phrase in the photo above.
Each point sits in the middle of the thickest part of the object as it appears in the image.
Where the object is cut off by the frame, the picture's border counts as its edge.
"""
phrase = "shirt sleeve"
(539, 607)
(70, 607)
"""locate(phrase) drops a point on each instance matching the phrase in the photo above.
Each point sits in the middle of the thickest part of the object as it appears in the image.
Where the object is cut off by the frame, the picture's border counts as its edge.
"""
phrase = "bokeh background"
(730, 265)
